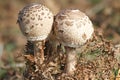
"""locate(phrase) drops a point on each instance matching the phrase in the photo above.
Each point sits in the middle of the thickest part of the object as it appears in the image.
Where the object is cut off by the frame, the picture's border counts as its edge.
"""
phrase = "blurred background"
(105, 15)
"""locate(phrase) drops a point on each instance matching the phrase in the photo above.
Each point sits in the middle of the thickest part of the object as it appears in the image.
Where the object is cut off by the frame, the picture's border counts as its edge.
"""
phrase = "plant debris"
(96, 61)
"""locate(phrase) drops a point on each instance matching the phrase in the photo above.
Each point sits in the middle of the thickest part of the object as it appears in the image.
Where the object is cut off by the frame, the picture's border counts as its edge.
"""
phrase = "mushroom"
(35, 21)
(73, 29)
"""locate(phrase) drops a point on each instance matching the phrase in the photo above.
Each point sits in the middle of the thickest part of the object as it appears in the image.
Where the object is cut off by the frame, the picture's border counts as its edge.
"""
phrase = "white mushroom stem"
(39, 52)
(71, 60)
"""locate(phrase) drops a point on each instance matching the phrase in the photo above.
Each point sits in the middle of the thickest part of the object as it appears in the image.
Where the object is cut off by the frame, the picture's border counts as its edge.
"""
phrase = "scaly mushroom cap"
(35, 21)
(73, 28)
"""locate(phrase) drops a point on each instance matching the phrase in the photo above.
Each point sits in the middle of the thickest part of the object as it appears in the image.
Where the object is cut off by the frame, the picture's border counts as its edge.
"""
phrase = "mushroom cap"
(72, 28)
(35, 21)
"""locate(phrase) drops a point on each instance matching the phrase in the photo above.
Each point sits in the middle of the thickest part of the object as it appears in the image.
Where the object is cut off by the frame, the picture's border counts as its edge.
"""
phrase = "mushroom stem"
(39, 52)
(71, 60)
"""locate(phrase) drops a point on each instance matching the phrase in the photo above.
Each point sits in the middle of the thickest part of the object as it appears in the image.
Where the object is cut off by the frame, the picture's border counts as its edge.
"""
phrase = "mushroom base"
(71, 60)
(39, 52)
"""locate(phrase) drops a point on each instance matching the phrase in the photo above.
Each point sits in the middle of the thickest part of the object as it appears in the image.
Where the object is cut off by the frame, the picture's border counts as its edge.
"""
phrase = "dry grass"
(97, 61)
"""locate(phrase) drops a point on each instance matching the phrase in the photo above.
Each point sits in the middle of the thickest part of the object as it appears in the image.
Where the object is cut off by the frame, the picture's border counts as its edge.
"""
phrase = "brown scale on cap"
(68, 23)
(84, 36)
